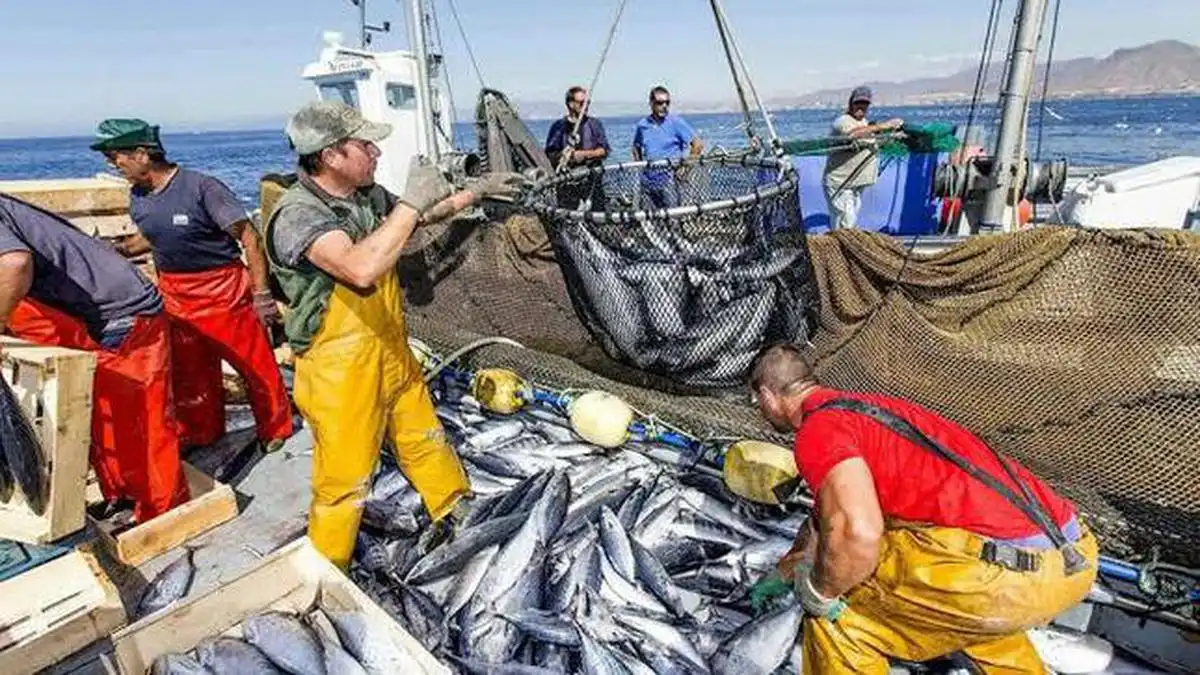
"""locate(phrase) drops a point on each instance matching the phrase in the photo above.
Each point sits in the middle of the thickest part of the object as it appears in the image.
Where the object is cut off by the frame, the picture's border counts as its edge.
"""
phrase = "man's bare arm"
(850, 529)
(361, 265)
(696, 147)
(256, 256)
(16, 277)
(804, 549)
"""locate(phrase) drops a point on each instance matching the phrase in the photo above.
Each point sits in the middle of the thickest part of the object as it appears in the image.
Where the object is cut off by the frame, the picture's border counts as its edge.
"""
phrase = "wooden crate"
(293, 579)
(212, 503)
(54, 386)
(54, 610)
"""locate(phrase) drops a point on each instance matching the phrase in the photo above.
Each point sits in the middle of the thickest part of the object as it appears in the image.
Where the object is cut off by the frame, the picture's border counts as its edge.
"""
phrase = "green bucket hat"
(123, 134)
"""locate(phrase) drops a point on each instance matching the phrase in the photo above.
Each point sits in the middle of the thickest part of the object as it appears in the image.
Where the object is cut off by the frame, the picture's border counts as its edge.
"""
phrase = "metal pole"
(416, 27)
(362, 24)
(1031, 14)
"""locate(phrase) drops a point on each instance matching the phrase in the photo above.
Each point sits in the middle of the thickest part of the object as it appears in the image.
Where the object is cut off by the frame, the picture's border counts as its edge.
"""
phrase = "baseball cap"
(861, 94)
(319, 124)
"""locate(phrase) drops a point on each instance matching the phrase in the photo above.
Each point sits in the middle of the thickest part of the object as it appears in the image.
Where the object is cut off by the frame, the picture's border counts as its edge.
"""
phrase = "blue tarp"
(900, 203)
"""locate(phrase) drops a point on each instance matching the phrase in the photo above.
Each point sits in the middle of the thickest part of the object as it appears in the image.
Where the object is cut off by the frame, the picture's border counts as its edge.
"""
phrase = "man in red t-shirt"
(909, 554)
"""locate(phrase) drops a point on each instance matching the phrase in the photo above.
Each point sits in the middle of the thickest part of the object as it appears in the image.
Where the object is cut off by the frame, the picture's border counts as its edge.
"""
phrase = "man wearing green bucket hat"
(197, 230)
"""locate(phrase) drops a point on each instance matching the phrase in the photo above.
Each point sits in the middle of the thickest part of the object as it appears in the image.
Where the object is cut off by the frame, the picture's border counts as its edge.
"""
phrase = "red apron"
(213, 319)
(135, 441)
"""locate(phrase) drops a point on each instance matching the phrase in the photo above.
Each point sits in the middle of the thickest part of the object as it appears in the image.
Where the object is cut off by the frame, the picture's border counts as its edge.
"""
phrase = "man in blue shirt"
(588, 148)
(661, 135)
(219, 310)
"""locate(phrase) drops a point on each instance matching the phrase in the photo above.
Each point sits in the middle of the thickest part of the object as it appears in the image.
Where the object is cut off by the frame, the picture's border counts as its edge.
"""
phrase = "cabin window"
(345, 92)
(401, 96)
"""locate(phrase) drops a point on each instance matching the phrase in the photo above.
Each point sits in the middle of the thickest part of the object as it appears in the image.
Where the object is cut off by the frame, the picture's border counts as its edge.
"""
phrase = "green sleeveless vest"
(307, 286)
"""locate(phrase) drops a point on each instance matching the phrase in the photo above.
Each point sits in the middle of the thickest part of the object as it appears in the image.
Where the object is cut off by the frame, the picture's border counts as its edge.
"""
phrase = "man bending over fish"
(924, 541)
(333, 242)
(58, 286)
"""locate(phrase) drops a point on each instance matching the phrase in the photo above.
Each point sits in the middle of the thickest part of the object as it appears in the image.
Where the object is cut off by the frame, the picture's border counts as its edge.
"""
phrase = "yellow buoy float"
(600, 418)
(500, 390)
(754, 470)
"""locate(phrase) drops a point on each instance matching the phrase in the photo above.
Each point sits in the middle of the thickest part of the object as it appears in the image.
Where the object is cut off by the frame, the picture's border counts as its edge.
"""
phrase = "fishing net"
(916, 138)
(1075, 352)
(683, 268)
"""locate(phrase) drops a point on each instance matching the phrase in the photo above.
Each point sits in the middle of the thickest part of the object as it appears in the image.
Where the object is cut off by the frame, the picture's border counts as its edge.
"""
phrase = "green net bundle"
(917, 138)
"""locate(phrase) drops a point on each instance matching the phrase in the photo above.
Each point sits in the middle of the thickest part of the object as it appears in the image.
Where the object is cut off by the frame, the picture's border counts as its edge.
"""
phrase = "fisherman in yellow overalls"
(333, 242)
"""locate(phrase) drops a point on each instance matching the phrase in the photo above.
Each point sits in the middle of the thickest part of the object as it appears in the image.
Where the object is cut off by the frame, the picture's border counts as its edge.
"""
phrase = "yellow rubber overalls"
(931, 595)
(356, 381)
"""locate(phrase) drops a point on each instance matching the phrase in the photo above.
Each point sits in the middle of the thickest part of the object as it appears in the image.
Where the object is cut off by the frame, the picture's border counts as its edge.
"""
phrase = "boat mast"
(1031, 15)
(416, 33)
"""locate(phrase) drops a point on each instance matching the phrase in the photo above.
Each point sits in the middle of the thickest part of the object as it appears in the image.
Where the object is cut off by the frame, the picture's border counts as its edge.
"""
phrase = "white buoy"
(601, 418)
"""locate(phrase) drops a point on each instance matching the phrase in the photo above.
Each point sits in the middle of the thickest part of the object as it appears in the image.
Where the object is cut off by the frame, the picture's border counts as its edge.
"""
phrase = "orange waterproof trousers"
(932, 596)
(135, 441)
(213, 318)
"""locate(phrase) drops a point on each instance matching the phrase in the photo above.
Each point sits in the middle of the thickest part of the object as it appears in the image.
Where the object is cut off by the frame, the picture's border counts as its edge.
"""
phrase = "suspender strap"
(1025, 502)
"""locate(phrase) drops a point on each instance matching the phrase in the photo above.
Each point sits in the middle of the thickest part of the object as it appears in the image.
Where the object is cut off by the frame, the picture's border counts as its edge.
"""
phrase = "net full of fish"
(576, 559)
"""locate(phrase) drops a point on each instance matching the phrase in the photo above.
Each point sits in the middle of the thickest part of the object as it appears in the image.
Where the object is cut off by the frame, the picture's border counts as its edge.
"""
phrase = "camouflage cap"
(320, 124)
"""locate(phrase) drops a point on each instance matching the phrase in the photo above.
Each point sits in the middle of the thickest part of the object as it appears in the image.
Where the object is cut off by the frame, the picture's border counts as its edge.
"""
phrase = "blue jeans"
(661, 194)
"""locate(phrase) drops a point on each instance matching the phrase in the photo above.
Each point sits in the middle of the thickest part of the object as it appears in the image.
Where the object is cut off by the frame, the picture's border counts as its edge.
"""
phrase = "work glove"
(814, 603)
(767, 589)
(265, 307)
(426, 185)
(502, 185)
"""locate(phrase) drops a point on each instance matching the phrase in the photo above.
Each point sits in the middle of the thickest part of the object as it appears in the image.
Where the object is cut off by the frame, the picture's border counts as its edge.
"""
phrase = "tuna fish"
(230, 655)
(178, 664)
(287, 641)
(171, 584)
(22, 452)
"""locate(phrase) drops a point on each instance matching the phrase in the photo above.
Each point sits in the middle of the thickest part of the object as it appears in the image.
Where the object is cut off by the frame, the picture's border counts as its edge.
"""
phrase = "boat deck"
(273, 497)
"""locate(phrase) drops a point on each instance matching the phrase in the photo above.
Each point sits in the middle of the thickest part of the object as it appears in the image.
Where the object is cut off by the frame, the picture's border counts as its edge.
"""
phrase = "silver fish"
(337, 660)
(598, 660)
(230, 655)
(667, 636)
(616, 545)
(22, 452)
(374, 649)
(287, 641)
(482, 668)
(761, 646)
(390, 518)
(448, 559)
(545, 626)
(169, 585)
(177, 664)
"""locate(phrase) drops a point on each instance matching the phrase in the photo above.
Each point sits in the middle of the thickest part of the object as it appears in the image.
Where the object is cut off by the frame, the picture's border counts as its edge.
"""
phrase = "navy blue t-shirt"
(73, 272)
(188, 222)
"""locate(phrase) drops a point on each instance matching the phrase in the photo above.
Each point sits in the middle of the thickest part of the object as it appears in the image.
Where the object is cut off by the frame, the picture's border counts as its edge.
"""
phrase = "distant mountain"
(1169, 66)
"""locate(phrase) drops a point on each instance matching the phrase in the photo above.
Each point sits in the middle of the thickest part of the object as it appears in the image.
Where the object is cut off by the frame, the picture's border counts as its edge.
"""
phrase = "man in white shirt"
(850, 171)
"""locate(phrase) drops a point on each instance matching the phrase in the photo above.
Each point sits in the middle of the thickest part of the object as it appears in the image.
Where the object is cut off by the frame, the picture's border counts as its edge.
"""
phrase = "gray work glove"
(502, 185)
(426, 186)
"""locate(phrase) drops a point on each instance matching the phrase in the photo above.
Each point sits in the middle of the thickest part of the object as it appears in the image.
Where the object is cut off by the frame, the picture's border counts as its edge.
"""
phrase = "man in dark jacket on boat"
(219, 308)
(570, 147)
(59, 286)
(923, 542)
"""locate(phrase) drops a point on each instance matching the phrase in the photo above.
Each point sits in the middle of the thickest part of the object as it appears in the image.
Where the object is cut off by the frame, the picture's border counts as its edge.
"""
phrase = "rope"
(776, 143)
(985, 59)
(574, 137)
(723, 32)
(437, 30)
(467, 43)
(1046, 78)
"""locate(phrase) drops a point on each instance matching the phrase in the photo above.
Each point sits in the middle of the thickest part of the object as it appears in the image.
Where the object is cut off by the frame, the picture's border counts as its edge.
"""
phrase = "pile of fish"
(572, 558)
(321, 642)
(21, 464)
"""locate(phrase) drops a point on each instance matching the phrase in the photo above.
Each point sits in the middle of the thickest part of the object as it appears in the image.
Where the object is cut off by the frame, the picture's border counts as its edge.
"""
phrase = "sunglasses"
(662, 102)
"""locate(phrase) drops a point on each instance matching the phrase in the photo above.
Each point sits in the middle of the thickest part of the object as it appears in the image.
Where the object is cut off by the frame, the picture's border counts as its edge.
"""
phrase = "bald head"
(780, 368)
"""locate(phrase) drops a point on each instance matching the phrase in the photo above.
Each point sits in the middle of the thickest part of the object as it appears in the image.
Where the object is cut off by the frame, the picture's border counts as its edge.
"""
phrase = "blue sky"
(223, 63)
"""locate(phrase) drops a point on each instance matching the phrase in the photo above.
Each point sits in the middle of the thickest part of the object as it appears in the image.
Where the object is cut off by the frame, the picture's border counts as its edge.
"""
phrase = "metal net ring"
(683, 268)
